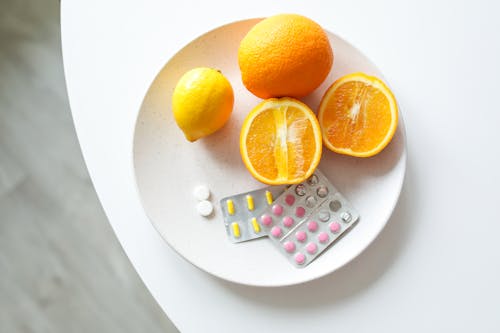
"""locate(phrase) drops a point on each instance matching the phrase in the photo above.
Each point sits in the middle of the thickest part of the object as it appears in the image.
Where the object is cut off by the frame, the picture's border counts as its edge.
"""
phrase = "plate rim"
(403, 160)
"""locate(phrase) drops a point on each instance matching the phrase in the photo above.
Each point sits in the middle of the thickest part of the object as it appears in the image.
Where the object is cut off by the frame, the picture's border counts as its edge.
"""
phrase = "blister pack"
(307, 218)
(241, 212)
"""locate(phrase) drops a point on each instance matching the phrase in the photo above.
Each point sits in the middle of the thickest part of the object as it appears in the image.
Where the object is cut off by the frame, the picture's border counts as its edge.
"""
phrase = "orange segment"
(358, 115)
(280, 141)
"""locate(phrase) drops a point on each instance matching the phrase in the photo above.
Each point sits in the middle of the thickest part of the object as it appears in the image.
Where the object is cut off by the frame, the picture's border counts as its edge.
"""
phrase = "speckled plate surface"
(167, 168)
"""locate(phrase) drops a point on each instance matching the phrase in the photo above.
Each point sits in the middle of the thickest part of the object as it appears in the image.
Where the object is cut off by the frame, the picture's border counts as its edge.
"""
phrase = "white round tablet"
(205, 208)
(201, 192)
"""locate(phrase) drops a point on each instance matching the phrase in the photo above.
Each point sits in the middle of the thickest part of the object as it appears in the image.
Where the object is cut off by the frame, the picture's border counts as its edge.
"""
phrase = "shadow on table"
(356, 276)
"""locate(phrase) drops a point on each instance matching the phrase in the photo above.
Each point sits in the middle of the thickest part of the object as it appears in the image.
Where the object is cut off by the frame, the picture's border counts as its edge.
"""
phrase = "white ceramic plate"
(168, 167)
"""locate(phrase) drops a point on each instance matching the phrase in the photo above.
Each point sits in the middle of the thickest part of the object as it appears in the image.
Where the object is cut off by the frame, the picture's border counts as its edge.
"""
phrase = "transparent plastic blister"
(307, 218)
(241, 212)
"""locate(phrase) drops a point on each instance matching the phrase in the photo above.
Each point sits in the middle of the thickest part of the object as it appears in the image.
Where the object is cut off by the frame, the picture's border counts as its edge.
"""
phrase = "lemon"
(202, 102)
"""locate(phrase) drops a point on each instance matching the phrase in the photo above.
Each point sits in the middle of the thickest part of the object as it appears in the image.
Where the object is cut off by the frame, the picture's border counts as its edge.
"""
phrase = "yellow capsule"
(250, 202)
(230, 206)
(269, 197)
(255, 225)
(236, 229)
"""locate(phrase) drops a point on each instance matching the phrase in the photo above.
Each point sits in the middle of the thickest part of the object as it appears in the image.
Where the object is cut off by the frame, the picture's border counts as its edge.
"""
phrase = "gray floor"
(61, 268)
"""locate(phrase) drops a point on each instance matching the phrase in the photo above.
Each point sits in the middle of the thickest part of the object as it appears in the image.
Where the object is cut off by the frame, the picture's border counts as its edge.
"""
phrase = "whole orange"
(284, 55)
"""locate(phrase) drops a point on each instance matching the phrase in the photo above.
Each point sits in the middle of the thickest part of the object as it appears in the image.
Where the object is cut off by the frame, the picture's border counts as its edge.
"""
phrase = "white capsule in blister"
(300, 190)
(346, 217)
(311, 201)
(313, 180)
(322, 191)
(335, 205)
(323, 215)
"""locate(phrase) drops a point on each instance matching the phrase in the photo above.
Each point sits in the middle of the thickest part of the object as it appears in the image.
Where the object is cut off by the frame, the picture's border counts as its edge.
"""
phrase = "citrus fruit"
(202, 102)
(284, 55)
(280, 141)
(358, 115)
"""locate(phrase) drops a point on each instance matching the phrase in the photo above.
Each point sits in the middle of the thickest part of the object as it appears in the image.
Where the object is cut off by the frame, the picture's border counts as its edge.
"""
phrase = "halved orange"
(280, 141)
(358, 115)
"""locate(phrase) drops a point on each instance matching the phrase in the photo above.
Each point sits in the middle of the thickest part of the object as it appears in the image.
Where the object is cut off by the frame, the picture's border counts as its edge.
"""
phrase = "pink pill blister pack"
(241, 212)
(307, 218)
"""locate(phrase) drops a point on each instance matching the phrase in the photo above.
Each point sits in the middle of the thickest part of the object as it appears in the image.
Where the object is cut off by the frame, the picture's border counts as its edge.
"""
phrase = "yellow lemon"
(202, 102)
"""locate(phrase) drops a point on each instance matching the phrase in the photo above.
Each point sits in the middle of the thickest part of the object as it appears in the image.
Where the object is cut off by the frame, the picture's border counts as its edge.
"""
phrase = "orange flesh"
(281, 144)
(357, 117)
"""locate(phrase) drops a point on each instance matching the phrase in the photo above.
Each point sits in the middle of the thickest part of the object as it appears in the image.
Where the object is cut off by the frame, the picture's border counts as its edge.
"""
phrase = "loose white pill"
(205, 208)
(201, 192)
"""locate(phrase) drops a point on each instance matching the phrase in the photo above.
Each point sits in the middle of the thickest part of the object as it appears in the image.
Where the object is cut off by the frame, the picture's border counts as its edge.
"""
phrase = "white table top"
(436, 265)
